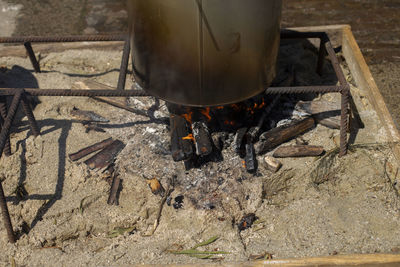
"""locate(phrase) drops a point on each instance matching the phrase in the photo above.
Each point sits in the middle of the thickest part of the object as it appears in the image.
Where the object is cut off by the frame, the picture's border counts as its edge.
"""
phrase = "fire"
(188, 137)
(231, 123)
(244, 164)
(188, 116)
(206, 113)
(235, 107)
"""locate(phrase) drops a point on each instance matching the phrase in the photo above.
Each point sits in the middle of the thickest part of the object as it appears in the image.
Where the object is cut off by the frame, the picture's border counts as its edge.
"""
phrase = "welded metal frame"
(19, 94)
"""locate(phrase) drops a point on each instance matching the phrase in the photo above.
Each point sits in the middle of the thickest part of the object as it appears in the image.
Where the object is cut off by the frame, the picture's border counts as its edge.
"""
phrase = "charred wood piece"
(90, 149)
(279, 135)
(219, 139)
(255, 131)
(247, 221)
(202, 139)
(298, 151)
(106, 156)
(272, 164)
(239, 140)
(115, 187)
(250, 159)
(181, 142)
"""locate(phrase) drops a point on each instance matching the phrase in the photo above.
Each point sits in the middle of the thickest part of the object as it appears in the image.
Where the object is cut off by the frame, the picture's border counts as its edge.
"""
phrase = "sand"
(311, 207)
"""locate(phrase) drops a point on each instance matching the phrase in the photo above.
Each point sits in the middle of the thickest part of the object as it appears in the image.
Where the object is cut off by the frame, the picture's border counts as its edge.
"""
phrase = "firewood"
(250, 159)
(181, 141)
(298, 151)
(90, 149)
(106, 156)
(202, 138)
(272, 164)
(279, 135)
(238, 141)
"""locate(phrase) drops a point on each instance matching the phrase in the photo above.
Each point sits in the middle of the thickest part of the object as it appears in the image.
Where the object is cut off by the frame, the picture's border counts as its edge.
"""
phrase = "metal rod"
(302, 89)
(63, 39)
(3, 139)
(32, 57)
(6, 216)
(344, 121)
(321, 57)
(124, 65)
(3, 113)
(69, 92)
(31, 118)
(290, 34)
(336, 64)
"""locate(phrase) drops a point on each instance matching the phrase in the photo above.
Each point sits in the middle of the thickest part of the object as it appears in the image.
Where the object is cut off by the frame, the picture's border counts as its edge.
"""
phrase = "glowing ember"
(188, 117)
(206, 112)
(188, 137)
(231, 123)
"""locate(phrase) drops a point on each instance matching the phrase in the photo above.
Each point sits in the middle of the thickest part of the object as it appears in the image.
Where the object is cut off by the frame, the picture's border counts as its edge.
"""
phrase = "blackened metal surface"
(204, 52)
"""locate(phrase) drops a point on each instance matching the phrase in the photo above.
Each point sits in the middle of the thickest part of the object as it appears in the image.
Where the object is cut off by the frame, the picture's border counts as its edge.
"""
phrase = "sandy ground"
(310, 207)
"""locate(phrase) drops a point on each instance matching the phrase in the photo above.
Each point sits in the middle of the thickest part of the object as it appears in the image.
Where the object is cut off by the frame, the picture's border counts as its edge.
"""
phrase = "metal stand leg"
(3, 113)
(124, 65)
(344, 121)
(32, 57)
(3, 140)
(30, 116)
(321, 57)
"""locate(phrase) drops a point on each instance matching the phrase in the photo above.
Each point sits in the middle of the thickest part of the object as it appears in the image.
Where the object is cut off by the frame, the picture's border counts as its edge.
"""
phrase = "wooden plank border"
(363, 77)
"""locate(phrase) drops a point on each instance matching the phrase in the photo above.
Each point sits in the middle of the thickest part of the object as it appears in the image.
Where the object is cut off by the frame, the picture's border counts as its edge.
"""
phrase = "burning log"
(90, 149)
(202, 138)
(238, 141)
(279, 135)
(255, 131)
(181, 141)
(250, 159)
(106, 156)
(298, 151)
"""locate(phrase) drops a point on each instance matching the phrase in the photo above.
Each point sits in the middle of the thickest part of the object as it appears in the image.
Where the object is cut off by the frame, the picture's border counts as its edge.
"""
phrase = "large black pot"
(204, 52)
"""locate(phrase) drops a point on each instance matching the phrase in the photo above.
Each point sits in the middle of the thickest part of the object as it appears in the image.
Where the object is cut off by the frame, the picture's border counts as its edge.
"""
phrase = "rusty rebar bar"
(3, 114)
(63, 39)
(344, 121)
(32, 57)
(321, 57)
(302, 90)
(336, 65)
(6, 216)
(3, 140)
(77, 93)
(124, 65)
(31, 118)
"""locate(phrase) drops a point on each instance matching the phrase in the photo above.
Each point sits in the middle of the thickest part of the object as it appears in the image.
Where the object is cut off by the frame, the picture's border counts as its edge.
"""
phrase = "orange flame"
(188, 116)
(206, 112)
(188, 137)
